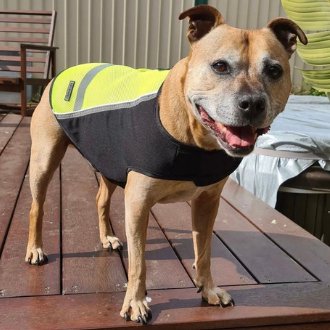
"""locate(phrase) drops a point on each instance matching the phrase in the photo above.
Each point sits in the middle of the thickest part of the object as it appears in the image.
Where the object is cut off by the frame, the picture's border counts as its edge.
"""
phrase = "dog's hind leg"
(103, 197)
(204, 211)
(49, 144)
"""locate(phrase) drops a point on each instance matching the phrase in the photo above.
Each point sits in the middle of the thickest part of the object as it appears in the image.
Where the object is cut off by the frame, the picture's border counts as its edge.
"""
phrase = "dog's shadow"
(314, 299)
(255, 253)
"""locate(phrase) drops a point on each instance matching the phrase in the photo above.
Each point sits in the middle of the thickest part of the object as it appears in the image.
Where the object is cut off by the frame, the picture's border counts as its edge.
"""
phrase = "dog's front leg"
(204, 211)
(137, 209)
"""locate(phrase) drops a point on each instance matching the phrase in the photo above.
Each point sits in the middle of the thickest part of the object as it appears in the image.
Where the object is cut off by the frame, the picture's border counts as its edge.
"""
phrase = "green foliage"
(315, 92)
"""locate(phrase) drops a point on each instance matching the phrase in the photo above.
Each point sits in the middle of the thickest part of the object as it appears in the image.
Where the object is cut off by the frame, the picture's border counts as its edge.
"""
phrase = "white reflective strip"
(105, 107)
(89, 76)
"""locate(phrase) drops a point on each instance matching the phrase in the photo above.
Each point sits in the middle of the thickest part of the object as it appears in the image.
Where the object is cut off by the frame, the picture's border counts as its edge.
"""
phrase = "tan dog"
(222, 96)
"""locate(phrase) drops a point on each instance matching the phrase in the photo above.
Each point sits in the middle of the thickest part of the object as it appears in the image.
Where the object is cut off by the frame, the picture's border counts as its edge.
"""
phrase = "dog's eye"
(274, 71)
(221, 67)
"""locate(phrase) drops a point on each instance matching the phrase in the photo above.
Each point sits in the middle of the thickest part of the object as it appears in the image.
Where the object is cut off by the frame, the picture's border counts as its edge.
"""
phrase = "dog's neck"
(175, 115)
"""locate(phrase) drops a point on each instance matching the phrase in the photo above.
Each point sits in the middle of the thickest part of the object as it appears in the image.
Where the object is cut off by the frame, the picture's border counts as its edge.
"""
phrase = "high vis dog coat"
(110, 113)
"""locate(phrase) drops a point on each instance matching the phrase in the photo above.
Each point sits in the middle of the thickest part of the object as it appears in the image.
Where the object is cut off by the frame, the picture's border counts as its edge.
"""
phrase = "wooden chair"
(27, 55)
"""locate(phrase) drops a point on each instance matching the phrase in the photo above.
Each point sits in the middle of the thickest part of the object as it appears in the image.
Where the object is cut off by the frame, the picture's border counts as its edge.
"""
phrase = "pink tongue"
(240, 136)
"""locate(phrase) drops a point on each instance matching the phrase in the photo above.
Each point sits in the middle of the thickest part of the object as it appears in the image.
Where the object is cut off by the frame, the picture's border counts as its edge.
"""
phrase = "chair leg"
(23, 100)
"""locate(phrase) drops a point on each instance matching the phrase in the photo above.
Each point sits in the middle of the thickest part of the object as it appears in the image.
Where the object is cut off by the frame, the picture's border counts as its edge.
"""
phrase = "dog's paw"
(35, 256)
(111, 242)
(217, 296)
(137, 311)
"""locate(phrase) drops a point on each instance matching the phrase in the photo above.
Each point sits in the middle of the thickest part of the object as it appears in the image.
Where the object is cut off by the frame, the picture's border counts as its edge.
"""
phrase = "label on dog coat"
(110, 113)
(69, 91)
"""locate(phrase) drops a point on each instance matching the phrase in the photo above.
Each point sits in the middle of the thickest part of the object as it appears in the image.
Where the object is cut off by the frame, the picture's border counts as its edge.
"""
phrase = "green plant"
(313, 16)
(315, 92)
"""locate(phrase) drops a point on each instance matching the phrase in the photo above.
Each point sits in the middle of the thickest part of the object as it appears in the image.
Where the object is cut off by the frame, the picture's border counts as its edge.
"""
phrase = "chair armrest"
(38, 47)
(24, 47)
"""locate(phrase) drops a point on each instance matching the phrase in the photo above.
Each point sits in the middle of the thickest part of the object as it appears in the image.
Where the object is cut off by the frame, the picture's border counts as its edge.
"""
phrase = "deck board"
(164, 270)
(175, 221)
(258, 253)
(277, 273)
(87, 267)
(13, 164)
(8, 125)
(18, 278)
(310, 252)
(177, 309)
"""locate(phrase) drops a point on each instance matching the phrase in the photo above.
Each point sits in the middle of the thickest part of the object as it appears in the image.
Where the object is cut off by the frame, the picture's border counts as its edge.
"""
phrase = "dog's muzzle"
(236, 140)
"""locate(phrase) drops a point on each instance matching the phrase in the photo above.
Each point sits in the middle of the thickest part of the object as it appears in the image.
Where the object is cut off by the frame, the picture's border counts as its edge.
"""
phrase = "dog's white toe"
(35, 256)
(217, 296)
(112, 242)
(137, 311)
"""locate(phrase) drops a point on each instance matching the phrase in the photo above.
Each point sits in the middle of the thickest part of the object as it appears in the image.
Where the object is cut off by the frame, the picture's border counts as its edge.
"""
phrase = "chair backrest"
(26, 27)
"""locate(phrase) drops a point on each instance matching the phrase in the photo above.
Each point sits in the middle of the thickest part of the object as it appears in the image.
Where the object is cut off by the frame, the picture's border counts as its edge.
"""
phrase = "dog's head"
(238, 80)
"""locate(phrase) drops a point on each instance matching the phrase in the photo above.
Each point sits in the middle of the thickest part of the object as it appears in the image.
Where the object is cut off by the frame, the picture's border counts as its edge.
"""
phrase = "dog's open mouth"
(238, 140)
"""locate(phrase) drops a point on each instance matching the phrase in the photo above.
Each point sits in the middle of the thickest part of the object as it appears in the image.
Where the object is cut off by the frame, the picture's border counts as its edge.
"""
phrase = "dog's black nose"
(252, 105)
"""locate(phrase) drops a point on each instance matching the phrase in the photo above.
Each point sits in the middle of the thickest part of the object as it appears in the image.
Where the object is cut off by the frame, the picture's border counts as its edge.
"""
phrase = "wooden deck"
(277, 273)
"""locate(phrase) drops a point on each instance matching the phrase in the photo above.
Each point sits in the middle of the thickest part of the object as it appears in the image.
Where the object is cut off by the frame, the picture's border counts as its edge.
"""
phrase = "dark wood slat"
(164, 270)
(176, 309)
(258, 253)
(37, 81)
(8, 126)
(13, 164)
(302, 246)
(25, 20)
(10, 48)
(23, 30)
(31, 47)
(25, 40)
(13, 68)
(308, 326)
(18, 278)
(26, 12)
(12, 85)
(7, 80)
(18, 59)
(86, 266)
(175, 219)
(18, 49)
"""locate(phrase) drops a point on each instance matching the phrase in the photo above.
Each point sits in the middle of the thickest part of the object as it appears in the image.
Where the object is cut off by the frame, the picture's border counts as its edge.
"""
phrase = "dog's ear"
(202, 19)
(287, 32)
